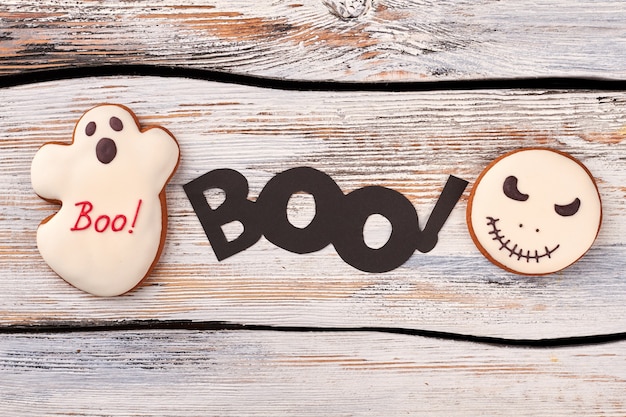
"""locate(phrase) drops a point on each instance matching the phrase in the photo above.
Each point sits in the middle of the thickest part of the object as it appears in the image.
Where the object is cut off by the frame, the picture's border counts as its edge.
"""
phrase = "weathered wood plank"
(180, 373)
(408, 141)
(414, 40)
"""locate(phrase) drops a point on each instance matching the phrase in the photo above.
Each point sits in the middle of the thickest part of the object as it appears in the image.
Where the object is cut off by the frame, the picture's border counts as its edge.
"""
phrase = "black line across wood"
(145, 70)
(190, 325)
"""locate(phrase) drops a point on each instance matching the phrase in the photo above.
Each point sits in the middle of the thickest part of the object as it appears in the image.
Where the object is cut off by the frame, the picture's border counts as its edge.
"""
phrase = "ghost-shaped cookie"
(534, 211)
(110, 182)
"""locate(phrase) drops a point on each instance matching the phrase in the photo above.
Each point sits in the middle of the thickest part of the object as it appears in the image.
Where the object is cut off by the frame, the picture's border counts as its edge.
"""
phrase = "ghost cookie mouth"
(515, 251)
(106, 150)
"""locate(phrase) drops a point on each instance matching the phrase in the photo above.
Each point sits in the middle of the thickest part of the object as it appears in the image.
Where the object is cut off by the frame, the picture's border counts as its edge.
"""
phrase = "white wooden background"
(409, 141)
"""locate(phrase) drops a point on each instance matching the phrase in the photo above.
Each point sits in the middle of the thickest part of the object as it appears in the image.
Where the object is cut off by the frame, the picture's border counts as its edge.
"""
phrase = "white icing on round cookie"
(534, 211)
(110, 182)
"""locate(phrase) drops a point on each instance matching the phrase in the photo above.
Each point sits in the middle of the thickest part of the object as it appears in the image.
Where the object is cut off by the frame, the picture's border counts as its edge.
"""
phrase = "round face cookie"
(110, 181)
(534, 211)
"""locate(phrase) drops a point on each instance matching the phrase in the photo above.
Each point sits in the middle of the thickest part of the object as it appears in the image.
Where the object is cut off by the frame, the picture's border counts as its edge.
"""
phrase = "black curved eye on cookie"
(568, 209)
(510, 189)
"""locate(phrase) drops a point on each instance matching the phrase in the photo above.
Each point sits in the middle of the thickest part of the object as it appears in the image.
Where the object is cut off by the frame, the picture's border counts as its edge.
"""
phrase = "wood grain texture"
(406, 141)
(338, 39)
(261, 373)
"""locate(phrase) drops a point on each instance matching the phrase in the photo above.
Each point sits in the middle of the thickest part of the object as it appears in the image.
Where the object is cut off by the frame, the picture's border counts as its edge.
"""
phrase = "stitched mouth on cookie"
(513, 249)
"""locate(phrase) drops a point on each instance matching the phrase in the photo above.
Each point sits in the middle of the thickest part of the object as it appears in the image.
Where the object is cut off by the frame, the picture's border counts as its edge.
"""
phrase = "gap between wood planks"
(190, 325)
(140, 70)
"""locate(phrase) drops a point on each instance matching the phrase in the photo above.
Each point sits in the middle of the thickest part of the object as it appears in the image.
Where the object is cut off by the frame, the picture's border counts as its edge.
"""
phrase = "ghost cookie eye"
(510, 189)
(116, 124)
(568, 209)
(90, 129)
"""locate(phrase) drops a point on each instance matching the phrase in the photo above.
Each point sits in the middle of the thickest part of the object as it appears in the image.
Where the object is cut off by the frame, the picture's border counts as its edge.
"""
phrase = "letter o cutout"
(273, 200)
(359, 205)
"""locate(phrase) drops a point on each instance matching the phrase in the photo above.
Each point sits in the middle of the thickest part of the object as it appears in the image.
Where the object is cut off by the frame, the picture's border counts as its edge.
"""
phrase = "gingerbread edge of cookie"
(468, 211)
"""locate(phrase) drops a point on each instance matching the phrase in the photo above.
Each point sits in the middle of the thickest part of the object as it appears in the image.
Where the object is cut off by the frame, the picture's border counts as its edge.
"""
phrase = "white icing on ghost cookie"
(110, 181)
(534, 211)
